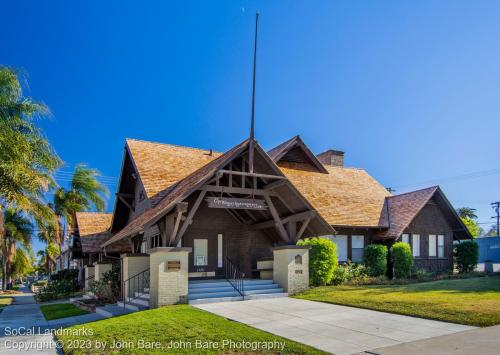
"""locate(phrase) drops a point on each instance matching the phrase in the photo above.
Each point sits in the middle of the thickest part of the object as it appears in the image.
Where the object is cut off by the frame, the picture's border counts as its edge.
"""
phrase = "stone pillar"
(100, 269)
(89, 272)
(133, 264)
(291, 268)
(169, 276)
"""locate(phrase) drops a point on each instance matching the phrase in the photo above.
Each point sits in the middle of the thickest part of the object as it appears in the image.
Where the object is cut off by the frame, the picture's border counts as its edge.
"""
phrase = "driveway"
(333, 328)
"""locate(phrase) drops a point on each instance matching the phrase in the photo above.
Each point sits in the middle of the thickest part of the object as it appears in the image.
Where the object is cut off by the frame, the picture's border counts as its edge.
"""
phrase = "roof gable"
(88, 223)
(295, 150)
(400, 210)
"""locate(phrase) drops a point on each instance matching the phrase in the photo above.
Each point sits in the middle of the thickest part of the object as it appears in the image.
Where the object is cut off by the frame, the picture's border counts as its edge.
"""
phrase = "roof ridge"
(93, 212)
(172, 145)
(414, 191)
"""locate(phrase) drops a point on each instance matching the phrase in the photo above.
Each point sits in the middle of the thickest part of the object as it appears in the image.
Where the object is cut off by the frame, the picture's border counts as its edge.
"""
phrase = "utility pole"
(496, 207)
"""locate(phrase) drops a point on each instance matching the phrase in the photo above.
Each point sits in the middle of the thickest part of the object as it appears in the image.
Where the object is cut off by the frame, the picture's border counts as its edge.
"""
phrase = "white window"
(440, 246)
(432, 245)
(405, 238)
(357, 248)
(200, 252)
(144, 246)
(219, 250)
(341, 242)
(415, 244)
(155, 241)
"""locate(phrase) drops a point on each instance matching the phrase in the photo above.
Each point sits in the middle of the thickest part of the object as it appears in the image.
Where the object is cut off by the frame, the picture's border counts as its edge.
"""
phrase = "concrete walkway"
(333, 328)
(482, 341)
(22, 325)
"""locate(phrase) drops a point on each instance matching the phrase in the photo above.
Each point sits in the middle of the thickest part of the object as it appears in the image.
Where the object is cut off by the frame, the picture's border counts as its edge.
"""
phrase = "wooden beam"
(291, 228)
(275, 184)
(236, 190)
(302, 228)
(125, 202)
(244, 173)
(291, 218)
(124, 195)
(189, 218)
(277, 221)
(176, 228)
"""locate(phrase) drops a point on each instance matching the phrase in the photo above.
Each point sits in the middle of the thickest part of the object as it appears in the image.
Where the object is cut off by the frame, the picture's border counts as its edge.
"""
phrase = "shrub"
(422, 275)
(322, 260)
(60, 285)
(402, 259)
(108, 289)
(349, 273)
(375, 259)
(467, 255)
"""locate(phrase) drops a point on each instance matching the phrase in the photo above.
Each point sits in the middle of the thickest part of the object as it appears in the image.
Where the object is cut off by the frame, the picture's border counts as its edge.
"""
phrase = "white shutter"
(415, 244)
(432, 245)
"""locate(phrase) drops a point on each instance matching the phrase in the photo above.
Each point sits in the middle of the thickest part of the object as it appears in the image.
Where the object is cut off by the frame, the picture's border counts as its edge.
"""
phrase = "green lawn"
(61, 310)
(5, 301)
(178, 329)
(473, 301)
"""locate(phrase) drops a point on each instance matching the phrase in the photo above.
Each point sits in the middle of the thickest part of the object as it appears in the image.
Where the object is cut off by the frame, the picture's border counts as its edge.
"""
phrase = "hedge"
(375, 259)
(467, 256)
(322, 260)
(402, 259)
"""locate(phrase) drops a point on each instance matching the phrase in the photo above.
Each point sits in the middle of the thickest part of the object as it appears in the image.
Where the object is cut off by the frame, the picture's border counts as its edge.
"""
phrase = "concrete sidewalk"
(482, 341)
(333, 328)
(22, 324)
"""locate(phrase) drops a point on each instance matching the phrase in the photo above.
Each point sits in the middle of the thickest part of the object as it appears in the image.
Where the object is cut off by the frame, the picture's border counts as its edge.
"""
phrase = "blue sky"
(409, 90)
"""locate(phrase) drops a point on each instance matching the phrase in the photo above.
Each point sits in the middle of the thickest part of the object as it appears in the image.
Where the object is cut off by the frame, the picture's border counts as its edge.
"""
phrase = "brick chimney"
(332, 157)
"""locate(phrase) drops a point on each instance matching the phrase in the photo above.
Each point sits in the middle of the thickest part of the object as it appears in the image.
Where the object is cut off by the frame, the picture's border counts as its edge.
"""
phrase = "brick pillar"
(89, 271)
(133, 264)
(169, 276)
(100, 269)
(291, 267)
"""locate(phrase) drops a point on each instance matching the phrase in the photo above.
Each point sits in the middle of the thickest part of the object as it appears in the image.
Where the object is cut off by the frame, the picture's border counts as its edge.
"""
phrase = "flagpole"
(252, 133)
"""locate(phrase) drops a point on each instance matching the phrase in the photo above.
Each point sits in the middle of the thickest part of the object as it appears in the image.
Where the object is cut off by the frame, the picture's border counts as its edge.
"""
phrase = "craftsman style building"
(184, 213)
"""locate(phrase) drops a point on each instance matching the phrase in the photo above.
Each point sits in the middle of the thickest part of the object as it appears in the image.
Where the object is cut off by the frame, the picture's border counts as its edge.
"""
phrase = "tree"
(27, 161)
(492, 232)
(467, 212)
(18, 233)
(472, 226)
(85, 193)
(23, 264)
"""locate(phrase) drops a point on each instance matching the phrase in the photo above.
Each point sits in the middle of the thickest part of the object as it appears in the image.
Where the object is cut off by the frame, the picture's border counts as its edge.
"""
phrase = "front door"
(208, 256)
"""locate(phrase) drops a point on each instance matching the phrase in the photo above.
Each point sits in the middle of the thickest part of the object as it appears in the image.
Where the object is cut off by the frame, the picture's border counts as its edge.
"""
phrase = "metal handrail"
(234, 276)
(89, 279)
(135, 284)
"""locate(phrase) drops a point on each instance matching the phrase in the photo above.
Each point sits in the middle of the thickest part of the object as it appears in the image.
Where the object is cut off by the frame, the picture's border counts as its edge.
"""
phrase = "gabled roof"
(344, 196)
(88, 223)
(176, 193)
(161, 165)
(400, 210)
(295, 150)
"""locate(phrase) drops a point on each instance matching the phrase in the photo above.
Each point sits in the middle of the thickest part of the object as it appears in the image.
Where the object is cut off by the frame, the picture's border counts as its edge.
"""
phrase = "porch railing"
(88, 282)
(234, 276)
(134, 286)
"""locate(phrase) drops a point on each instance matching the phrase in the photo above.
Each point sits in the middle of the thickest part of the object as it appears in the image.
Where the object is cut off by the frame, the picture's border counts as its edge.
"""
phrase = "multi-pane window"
(440, 246)
(341, 242)
(357, 248)
(405, 238)
(155, 241)
(432, 245)
(415, 244)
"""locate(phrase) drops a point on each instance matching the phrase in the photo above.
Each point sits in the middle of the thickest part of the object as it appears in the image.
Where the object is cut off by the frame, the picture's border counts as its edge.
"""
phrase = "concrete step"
(265, 295)
(139, 301)
(133, 306)
(264, 291)
(222, 283)
(232, 293)
(228, 287)
(87, 297)
(214, 300)
(112, 310)
(142, 295)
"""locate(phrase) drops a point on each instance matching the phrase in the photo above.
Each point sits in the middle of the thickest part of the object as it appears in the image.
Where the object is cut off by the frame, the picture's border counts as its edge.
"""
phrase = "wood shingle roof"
(93, 222)
(344, 196)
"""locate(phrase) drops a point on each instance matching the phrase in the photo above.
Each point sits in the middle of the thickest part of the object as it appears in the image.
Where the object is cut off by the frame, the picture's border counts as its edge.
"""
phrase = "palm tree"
(85, 192)
(467, 212)
(27, 161)
(48, 234)
(18, 233)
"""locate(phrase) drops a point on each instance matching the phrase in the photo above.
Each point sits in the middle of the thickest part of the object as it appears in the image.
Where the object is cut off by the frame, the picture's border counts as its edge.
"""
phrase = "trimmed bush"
(402, 259)
(467, 256)
(375, 259)
(322, 260)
